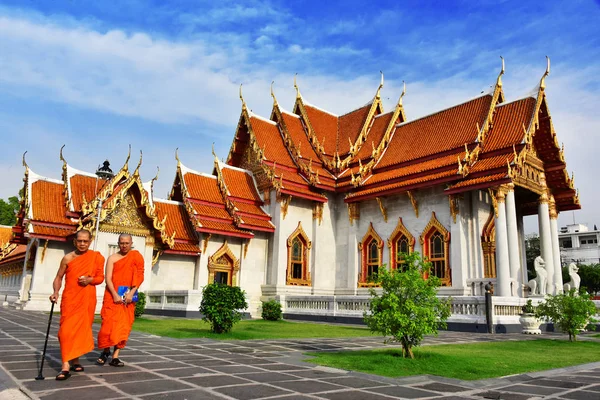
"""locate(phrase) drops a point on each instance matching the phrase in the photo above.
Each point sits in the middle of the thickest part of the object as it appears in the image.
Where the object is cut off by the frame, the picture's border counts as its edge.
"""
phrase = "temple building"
(309, 205)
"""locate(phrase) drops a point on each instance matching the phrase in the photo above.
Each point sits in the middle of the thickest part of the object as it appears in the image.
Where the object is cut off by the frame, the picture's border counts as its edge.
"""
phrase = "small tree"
(140, 306)
(570, 312)
(271, 310)
(221, 305)
(408, 307)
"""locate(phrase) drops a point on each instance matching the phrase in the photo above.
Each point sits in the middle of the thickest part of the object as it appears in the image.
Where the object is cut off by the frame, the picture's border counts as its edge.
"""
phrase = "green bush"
(271, 310)
(571, 312)
(140, 306)
(408, 307)
(221, 305)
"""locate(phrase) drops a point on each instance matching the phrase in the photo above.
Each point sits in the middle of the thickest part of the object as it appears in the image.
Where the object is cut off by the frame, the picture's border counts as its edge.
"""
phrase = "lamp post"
(103, 172)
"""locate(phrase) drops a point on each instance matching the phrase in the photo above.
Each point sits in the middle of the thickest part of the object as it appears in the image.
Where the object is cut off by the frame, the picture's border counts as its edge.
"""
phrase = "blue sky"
(160, 75)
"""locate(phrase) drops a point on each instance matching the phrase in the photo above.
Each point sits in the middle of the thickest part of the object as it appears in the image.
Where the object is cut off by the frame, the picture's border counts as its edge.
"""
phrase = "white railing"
(180, 300)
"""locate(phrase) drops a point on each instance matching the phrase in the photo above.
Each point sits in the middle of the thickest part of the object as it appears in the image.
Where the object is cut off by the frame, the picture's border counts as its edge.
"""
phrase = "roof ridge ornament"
(402, 94)
(242, 99)
(25, 162)
(378, 94)
(298, 95)
(61, 154)
(546, 73)
(177, 157)
(126, 164)
(273, 95)
(137, 169)
(213, 152)
(499, 79)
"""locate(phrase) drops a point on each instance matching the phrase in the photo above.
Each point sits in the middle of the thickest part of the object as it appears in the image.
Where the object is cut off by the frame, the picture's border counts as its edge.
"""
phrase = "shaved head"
(83, 232)
(125, 236)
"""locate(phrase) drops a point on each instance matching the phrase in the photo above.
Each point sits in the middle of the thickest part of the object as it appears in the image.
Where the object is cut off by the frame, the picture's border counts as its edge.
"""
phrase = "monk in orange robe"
(82, 270)
(125, 268)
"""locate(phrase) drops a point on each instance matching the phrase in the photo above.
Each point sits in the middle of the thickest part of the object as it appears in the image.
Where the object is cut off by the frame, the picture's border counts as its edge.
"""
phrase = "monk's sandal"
(63, 376)
(115, 362)
(103, 357)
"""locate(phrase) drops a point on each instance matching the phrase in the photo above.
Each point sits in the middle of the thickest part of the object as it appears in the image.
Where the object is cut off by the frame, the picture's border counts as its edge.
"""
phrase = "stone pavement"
(164, 368)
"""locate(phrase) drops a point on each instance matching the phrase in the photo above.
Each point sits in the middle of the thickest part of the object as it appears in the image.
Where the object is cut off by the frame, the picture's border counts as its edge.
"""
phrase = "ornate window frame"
(306, 246)
(392, 242)
(215, 264)
(435, 226)
(363, 248)
(488, 247)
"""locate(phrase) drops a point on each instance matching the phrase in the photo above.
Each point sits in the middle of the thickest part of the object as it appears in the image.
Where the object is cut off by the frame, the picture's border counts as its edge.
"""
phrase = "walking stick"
(40, 377)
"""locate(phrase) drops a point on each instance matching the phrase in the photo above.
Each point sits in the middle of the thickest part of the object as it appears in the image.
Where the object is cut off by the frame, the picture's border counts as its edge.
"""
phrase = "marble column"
(513, 240)
(546, 241)
(558, 282)
(502, 258)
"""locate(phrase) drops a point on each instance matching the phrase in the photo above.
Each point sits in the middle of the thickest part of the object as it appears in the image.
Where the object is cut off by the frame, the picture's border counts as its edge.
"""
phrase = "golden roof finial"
(126, 164)
(546, 73)
(298, 95)
(378, 94)
(177, 157)
(273, 94)
(242, 98)
(213, 152)
(61, 154)
(402, 94)
(157, 174)
(25, 162)
(139, 163)
(499, 80)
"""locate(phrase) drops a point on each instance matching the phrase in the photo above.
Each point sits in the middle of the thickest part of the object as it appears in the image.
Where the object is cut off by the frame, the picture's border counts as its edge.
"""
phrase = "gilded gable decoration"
(454, 209)
(371, 250)
(488, 246)
(298, 260)
(156, 253)
(400, 237)
(246, 245)
(125, 218)
(223, 266)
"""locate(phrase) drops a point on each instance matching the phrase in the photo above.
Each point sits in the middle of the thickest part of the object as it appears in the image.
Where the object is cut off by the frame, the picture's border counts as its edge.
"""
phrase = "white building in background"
(579, 244)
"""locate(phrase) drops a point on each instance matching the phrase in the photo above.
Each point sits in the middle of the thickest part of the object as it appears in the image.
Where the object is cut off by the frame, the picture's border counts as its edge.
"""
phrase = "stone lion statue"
(538, 284)
(575, 279)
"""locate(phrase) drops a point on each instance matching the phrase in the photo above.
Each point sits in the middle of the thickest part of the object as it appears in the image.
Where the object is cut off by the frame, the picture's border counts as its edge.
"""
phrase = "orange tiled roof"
(211, 211)
(177, 219)
(258, 222)
(80, 185)
(325, 126)
(48, 203)
(403, 185)
(298, 135)
(185, 247)
(380, 124)
(222, 227)
(445, 130)
(268, 137)
(350, 126)
(487, 179)
(249, 208)
(57, 232)
(509, 120)
(488, 163)
(16, 255)
(202, 187)
(240, 184)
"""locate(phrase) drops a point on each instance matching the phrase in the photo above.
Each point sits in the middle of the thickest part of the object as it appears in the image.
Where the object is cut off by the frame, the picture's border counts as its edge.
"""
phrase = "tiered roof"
(10, 253)
(368, 153)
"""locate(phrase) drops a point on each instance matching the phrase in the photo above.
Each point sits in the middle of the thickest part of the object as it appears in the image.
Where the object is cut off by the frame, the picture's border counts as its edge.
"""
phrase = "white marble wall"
(172, 272)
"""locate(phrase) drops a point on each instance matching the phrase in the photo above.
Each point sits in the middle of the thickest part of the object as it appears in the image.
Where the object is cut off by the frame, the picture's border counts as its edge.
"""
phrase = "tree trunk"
(407, 351)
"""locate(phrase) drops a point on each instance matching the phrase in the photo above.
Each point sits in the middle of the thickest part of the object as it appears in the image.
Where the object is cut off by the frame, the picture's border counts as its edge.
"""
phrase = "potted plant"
(529, 322)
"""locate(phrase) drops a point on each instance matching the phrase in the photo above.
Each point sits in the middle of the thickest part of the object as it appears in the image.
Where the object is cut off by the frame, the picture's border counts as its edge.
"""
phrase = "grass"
(466, 361)
(245, 329)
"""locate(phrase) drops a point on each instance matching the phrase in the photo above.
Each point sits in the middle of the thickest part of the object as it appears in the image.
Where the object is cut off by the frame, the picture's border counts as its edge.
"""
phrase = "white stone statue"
(538, 284)
(575, 279)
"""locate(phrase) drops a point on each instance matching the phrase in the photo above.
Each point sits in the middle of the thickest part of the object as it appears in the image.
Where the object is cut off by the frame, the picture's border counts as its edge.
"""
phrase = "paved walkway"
(163, 368)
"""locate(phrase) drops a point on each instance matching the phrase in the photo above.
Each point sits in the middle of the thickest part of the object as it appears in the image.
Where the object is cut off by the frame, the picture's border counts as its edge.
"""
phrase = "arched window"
(223, 266)
(298, 272)
(435, 241)
(371, 249)
(400, 242)
(488, 246)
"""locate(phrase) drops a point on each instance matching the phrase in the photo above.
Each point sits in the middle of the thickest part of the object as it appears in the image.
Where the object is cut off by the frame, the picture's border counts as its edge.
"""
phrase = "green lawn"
(245, 329)
(466, 361)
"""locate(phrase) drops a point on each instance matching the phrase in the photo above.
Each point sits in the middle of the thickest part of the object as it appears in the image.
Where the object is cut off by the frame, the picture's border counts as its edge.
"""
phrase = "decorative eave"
(229, 206)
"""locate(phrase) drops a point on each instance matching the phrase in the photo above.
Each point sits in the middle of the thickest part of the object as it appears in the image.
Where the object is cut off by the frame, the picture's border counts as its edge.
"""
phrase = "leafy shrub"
(408, 307)
(140, 306)
(221, 305)
(271, 310)
(571, 312)
(528, 308)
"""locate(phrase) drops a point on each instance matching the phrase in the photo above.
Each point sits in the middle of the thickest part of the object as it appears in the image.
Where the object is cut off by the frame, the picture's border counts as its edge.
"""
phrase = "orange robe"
(117, 319)
(78, 304)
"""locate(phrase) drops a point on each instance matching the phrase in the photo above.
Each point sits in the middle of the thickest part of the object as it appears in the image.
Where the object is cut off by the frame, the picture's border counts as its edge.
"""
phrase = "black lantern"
(104, 171)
